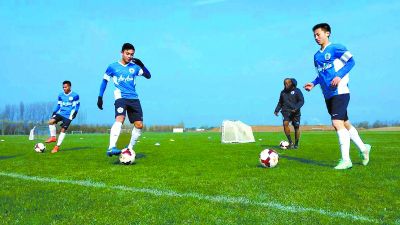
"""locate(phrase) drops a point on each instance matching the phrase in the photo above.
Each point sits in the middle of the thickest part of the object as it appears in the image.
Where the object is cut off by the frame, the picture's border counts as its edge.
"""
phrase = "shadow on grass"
(140, 155)
(306, 161)
(271, 146)
(76, 149)
(302, 160)
(8, 157)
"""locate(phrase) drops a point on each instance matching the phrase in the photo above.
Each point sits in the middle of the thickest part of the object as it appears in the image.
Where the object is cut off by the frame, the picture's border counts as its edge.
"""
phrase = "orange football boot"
(55, 149)
(51, 139)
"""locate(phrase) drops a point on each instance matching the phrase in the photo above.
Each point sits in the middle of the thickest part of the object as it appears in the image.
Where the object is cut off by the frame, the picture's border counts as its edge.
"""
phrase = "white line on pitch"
(211, 198)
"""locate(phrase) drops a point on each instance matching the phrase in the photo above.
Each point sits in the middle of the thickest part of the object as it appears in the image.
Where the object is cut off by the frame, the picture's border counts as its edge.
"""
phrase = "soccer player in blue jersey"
(333, 63)
(65, 111)
(123, 74)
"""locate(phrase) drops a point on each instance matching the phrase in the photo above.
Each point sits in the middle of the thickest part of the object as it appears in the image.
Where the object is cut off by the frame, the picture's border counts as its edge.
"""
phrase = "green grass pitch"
(197, 180)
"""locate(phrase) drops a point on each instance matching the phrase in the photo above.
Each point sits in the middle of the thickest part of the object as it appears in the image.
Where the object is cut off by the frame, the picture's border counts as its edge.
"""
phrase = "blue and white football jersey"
(335, 60)
(124, 77)
(67, 104)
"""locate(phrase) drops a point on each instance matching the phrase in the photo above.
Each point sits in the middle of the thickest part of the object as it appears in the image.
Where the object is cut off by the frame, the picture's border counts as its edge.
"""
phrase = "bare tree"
(21, 111)
(6, 111)
(81, 117)
(13, 112)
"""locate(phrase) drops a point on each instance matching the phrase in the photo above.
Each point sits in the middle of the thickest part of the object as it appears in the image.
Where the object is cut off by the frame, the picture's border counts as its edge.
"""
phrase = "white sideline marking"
(211, 198)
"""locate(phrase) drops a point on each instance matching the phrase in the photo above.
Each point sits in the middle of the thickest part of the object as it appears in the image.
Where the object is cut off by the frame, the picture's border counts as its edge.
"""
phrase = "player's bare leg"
(355, 137)
(286, 128)
(52, 129)
(344, 142)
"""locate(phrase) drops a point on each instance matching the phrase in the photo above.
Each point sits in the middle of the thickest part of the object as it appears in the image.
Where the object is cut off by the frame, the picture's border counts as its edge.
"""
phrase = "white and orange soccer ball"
(269, 158)
(39, 147)
(127, 156)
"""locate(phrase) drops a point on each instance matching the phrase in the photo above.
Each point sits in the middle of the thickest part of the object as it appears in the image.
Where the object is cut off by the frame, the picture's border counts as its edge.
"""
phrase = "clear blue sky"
(210, 59)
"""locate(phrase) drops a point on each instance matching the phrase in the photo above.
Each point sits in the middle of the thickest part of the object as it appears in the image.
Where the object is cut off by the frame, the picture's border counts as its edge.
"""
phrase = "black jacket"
(290, 99)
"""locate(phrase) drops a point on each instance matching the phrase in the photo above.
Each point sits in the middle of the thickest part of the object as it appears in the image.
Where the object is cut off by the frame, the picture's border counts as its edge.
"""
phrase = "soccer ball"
(127, 156)
(39, 147)
(269, 158)
(284, 144)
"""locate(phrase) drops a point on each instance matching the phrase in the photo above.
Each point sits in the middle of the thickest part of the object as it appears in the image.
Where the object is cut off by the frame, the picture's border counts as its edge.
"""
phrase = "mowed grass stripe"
(217, 198)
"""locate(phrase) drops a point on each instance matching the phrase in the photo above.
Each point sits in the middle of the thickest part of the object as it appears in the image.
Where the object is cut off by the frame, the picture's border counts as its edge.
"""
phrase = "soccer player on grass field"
(333, 63)
(123, 74)
(65, 111)
(290, 101)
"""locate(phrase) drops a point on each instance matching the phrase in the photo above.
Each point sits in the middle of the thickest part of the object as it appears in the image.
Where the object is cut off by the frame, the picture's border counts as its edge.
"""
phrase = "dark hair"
(324, 26)
(67, 82)
(127, 46)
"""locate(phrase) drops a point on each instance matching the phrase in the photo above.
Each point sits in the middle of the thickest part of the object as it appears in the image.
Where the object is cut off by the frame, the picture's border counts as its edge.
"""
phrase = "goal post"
(236, 132)
(40, 132)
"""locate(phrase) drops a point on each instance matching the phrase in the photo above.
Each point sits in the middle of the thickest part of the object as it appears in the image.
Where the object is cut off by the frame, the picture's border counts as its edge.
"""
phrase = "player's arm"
(300, 100)
(279, 105)
(313, 83)
(107, 76)
(75, 107)
(58, 106)
(347, 58)
(145, 72)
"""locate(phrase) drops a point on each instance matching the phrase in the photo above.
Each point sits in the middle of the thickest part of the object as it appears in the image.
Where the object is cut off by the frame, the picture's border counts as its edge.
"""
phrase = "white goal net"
(236, 132)
(39, 133)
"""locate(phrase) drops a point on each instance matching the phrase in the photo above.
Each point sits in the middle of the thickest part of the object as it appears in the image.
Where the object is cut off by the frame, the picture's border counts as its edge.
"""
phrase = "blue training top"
(67, 105)
(123, 77)
(333, 61)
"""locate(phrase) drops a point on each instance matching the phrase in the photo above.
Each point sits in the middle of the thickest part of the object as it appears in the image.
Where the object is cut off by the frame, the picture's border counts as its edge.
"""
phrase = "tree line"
(21, 118)
(377, 124)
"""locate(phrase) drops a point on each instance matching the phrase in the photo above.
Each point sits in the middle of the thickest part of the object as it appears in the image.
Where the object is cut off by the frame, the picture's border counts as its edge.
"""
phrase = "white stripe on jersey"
(115, 80)
(342, 87)
(140, 72)
(117, 94)
(74, 103)
(346, 56)
(71, 114)
(59, 102)
(106, 77)
(337, 64)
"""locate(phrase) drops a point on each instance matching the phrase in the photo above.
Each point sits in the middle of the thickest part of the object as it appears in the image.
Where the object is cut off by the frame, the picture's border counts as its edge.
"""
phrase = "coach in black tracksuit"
(290, 102)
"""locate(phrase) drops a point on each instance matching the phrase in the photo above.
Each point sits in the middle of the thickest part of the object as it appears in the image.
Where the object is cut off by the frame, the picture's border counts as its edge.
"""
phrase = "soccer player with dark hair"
(123, 74)
(333, 63)
(65, 111)
(290, 101)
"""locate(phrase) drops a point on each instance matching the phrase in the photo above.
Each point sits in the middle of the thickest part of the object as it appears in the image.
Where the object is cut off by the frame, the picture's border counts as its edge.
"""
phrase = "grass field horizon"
(196, 179)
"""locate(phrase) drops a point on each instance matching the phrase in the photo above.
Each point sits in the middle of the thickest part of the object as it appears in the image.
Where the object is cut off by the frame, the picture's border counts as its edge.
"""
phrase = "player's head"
(288, 84)
(322, 32)
(67, 86)
(127, 52)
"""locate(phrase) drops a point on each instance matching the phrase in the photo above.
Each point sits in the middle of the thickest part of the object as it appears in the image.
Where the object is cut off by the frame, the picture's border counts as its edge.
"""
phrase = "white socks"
(114, 134)
(53, 131)
(356, 139)
(344, 141)
(135, 135)
(60, 138)
(116, 130)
